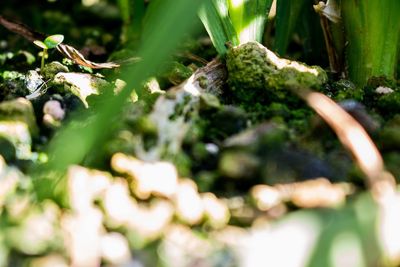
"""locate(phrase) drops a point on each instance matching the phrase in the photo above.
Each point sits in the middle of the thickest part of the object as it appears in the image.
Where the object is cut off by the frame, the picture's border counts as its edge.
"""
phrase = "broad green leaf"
(372, 31)
(248, 18)
(324, 237)
(40, 44)
(53, 40)
(215, 17)
(287, 17)
(310, 32)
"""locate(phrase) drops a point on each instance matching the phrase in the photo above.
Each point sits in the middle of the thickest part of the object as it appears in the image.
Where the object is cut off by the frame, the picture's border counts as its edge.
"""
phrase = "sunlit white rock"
(151, 221)
(84, 186)
(82, 235)
(216, 210)
(266, 196)
(189, 205)
(159, 178)
(115, 249)
(119, 206)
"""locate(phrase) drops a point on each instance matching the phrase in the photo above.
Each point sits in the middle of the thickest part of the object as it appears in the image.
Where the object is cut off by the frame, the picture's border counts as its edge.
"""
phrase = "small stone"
(158, 178)
(33, 81)
(266, 197)
(189, 205)
(216, 210)
(52, 260)
(382, 90)
(53, 113)
(115, 249)
(80, 84)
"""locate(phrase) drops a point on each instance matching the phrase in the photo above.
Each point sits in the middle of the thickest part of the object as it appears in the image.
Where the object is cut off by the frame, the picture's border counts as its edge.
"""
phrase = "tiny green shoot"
(49, 43)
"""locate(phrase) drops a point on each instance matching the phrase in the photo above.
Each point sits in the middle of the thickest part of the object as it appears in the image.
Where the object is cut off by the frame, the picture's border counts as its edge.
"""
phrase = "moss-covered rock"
(52, 68)
(12, 85)
(255, 72)
(345, 89)
(19, 110)
(80, 84)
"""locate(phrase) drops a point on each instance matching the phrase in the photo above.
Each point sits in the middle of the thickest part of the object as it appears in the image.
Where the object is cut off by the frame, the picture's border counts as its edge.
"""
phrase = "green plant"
(372, 30)
(288, 14)
(50, 42)
(234, 21)
(361, 37)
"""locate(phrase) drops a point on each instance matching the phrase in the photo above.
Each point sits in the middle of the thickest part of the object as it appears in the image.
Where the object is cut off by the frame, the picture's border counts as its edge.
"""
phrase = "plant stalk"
(372, 30)
(44, 54)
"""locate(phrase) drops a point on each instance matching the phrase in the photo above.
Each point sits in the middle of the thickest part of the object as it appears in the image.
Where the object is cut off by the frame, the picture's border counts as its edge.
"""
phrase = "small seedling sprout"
(49, 43)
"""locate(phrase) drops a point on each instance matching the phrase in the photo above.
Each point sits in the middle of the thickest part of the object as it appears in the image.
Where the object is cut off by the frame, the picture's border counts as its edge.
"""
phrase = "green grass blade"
(236, 13)
(215, 18)
(171, 21)
(249, 17)
(287, 16)
(372, 30)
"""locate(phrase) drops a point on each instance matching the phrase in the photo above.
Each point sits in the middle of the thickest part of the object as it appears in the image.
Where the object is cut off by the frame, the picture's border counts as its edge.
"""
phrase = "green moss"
(173, 73)
(203, 82)
(254, 72)
(389, 137)
(345, 89)
(177, 72)
(383, 97)
(225, 122)
(52, 68)
(12, 85)
(389, 104)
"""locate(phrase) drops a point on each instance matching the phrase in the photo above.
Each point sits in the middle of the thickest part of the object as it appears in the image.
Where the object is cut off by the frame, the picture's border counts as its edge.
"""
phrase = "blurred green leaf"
(88, 130)
(351, 228)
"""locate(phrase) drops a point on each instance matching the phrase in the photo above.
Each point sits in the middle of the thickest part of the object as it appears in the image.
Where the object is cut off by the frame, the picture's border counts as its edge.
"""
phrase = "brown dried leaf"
(79, 59)
(67, 50)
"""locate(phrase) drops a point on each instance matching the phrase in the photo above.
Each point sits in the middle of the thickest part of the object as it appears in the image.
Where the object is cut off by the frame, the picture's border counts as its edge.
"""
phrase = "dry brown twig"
(354, 137)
